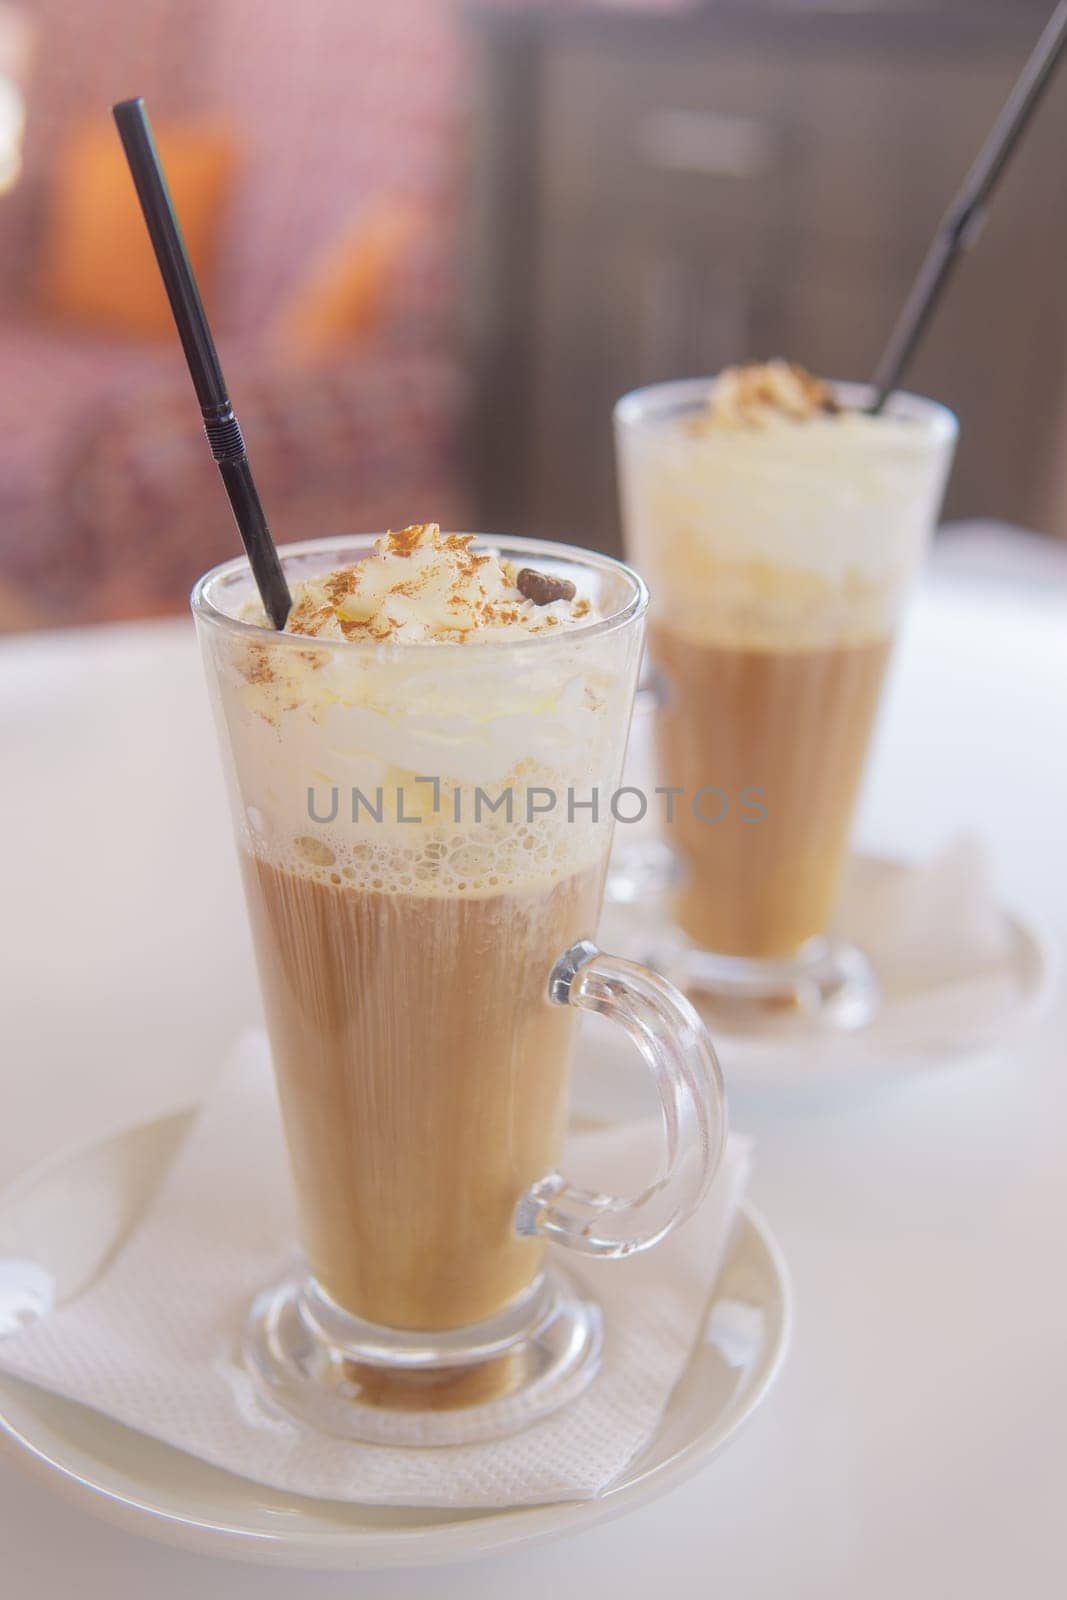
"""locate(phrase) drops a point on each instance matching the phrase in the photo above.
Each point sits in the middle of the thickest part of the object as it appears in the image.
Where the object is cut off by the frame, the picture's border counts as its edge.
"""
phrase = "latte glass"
(423, 830)
(778, 557)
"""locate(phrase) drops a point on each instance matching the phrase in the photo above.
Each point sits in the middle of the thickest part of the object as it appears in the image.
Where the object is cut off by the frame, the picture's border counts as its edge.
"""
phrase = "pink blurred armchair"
(109, 504)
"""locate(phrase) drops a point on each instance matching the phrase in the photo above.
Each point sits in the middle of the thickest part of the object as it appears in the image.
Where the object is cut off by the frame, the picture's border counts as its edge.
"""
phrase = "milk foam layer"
(441, 861)
(322, 728)
(776, 521)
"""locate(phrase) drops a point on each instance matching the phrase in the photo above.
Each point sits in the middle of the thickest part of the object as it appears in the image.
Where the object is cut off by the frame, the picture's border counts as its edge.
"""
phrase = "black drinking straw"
(220, 424)
(965, 215)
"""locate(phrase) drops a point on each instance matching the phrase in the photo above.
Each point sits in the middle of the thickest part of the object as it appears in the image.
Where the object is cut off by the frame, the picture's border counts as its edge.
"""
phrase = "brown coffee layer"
(782, 736)
(423, 1076)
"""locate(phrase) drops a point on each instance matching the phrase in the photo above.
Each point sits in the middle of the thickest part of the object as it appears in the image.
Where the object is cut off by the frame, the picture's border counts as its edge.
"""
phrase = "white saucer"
(72, 1213)
(915, 1030)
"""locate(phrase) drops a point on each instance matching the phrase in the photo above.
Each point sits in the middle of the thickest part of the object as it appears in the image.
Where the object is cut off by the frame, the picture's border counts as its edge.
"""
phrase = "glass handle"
(673, 1041)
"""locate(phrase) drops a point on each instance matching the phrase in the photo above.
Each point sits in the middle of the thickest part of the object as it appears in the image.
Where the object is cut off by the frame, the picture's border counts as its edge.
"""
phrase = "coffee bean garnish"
(542, 588)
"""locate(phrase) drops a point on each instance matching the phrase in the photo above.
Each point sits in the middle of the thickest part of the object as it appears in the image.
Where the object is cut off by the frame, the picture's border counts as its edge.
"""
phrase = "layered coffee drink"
(413, 871)
(422, 766)
(779, 526)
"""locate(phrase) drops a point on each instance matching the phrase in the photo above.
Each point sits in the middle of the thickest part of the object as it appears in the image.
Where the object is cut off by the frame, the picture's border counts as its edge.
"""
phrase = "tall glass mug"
(423, 831)
(778, 559)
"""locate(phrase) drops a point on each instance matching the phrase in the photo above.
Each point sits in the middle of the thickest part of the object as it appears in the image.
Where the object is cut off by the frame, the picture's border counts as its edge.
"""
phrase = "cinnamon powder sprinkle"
(449, 592)
(749, 395)
(257, 668)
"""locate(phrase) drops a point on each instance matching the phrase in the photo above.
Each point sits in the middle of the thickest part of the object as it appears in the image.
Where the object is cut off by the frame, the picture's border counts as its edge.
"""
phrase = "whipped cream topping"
(762, 519)
(419, 585)
(416, 731)
(760, 393)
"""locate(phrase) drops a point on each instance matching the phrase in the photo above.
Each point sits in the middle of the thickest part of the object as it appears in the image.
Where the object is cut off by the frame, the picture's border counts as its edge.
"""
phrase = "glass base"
(828, 982)
(386, 1386)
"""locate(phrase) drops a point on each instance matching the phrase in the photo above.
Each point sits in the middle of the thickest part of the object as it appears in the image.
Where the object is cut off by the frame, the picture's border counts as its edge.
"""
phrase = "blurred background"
(438, 240)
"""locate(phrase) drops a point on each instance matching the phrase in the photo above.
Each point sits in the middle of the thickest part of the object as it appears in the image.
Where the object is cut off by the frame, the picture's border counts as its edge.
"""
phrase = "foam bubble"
(446, 861)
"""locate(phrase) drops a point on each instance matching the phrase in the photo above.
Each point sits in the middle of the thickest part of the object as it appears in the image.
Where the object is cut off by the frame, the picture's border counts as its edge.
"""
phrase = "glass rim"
(205, 608)
(642, 404)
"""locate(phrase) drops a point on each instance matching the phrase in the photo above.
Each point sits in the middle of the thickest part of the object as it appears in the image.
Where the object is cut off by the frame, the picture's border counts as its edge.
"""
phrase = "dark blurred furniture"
(658, 196)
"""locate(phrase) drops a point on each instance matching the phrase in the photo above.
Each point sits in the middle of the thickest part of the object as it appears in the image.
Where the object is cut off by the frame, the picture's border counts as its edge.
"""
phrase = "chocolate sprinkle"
(542, 588)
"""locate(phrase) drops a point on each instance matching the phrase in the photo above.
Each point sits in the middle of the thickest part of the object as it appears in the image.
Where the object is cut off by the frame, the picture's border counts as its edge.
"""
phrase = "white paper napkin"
(953, 968)
(154, 1341)
(929, 926)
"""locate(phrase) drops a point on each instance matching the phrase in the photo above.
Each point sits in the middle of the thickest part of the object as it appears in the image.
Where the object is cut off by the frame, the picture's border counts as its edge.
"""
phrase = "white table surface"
(915, 1444)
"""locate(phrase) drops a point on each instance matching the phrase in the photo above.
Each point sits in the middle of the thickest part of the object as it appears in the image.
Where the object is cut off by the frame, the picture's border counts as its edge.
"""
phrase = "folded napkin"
(154, 1341)
(928, 926)
(955, 969)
